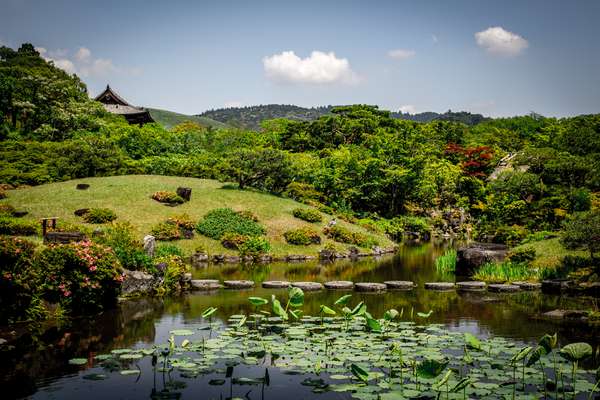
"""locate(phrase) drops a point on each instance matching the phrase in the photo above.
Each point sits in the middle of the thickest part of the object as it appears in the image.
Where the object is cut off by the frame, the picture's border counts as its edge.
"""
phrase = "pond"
(38, 364)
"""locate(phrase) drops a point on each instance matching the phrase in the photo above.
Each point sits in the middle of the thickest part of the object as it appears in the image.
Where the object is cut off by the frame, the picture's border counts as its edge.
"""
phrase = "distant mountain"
(251, 117)
(169, 119)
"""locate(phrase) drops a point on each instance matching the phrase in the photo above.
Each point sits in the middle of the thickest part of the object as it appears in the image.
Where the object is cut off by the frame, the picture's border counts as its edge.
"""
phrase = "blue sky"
(498, 58)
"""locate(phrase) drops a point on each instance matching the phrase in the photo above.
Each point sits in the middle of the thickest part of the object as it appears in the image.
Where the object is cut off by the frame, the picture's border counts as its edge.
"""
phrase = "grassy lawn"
(550, 252)
(129, 197)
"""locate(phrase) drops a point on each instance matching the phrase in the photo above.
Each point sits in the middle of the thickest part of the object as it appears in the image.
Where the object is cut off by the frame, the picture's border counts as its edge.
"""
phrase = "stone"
(186, 277)
(184, 192)
(232, 259)
(399, 285)
(439, 285)
(378, 250)
(199, 258)
(205, 284)
(295, 257)
(308, 286)
(149, 245)
(555, 286)
(503, 288)
(528, 285)
(137, 282)
(20, 214)
(264, 258)
(238, 284)
(591, 289)
(568, 315)
(218, 258)
(339, 285)
(370, 287)
(353, 252)
(63, 237)
(325, 254)
(275, 284)
(81, 212)
(470, 286)
(471, 257)
(82, 186)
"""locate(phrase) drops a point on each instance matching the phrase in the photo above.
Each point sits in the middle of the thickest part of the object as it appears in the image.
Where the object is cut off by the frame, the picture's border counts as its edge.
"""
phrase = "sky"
(498, 58)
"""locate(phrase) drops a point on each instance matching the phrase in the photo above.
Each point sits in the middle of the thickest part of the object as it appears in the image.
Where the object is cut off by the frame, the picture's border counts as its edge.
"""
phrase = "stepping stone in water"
(399, 285)
(370, 287)
(238, 284)
(339, 285)
(308, 286)
(205, 284)
(275, 284)
(471, 286)
(439, 285)
(503, 288)
(528, 285)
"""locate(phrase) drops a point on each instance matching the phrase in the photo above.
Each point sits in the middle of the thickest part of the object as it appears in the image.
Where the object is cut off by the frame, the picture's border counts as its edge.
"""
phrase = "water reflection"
(38, 363)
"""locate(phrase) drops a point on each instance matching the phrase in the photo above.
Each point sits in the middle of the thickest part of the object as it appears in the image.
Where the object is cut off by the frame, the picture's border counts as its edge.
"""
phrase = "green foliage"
(303, 192)
(172, 268)
(231, 240)
(17, 227)
(255, 246)
(419, 225)
(18, 278)
(302, 236)
(446, 263)
(219, 221)
(166, 231)
(307, 214)
(343, 235)
(522, 255)
(263, 168)
(129, 250)
(99, 216)
(506, 271)
(583, 231)
(168, 197)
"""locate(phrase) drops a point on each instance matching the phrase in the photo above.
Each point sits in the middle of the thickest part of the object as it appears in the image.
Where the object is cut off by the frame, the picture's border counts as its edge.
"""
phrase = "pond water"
(37, 366)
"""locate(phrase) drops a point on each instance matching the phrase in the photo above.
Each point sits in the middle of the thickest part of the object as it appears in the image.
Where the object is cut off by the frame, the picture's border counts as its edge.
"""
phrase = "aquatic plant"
(446, 263)
(506, 271)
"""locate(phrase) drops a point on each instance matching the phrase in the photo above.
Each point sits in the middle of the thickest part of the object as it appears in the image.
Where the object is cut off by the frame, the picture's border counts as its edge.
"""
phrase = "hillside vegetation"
(169, 119)
(129, 198)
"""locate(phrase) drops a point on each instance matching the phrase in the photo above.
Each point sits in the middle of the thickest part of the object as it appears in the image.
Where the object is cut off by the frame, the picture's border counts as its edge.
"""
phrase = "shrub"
(17, 227)
(583, 231)
(343, 235)
(128, 249)
(302, 191)
(166, 231)
(233, 240)
(302, 236)
(254, 247)
(3, 194)
(172, 268)
(168, 197)
(18, 278)
(307, 214)
(219, 221)
(183, 221)
(522, 255)
(416, 224)
(510, 235)
(167, 250)
(248, 215)
(81, 277)
(7, 210)
(99, 216)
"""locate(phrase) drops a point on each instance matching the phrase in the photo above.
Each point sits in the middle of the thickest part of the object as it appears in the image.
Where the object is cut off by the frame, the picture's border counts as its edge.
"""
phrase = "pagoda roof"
(115, 104)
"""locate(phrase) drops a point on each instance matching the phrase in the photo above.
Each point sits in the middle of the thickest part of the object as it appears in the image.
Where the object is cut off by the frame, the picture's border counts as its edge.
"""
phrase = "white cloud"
(232, 104)
(62, 63)
(98, 67)
(408, 108)
(83, 54)
(434, 38)
(497, 40)
(318, 68)
(401, 54)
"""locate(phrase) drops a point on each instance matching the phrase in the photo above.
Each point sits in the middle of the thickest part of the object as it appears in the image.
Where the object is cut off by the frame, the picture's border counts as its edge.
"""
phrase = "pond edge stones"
(470, 286)
(439, 285)
(238, 284)
(528, 285)
(339, 285)
(399, 285)
(308, 286)
(504, 288)
(275, 284)
(205, 284)
(370, 287)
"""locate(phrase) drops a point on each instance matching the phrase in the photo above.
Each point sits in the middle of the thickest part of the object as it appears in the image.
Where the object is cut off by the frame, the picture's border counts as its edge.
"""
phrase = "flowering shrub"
(166, 231)
(120, 236)
(168, 197)
(172, 268)
(18, 278)
(233, 240)
(81, 276)
(99, 216)
(307, 214)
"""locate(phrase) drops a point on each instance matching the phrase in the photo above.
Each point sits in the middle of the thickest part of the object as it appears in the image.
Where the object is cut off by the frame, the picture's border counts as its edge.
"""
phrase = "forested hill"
(252, 116)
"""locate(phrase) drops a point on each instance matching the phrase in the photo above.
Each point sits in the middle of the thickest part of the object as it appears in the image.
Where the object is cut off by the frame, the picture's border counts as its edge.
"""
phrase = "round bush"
(17, 227)
(166, 231)
(302, 236)
(99, 216)
(344, 235)
(18, 278)
(168, 197)
(224, 220)
(233, 240)
(307, 214)
(254, 247)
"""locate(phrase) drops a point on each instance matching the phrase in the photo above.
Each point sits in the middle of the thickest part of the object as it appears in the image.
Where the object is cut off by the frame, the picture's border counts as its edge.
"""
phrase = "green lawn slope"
(169, 119)
(129, 197)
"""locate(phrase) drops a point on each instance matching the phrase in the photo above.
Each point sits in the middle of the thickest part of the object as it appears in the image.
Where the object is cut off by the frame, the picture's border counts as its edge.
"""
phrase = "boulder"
(439, 285)
(275, 284)
(353, 252)
(308, 286)
(81, 212)
(295, 257)
(566, 315)
(503, 288)
(400, 285)
(149, 245)
(339, 285)
(232, 259)
(471, 257)
(205, 284)
(238, 284)
(20, 214)
(470, 286)
(325, 254)
(528, 285)
(137, 282)
(370, 287)
(199, 258)
(184, 192)
(82, 186)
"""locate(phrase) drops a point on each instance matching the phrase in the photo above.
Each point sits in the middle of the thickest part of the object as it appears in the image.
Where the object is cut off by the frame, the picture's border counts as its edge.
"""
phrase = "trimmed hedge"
(17, 227)
(302, 236)
(307, 214)
(168, 197)
(254, 247)
(219, 221)
(166, 231)
(99, 216)
(344, 235)
(233, 240)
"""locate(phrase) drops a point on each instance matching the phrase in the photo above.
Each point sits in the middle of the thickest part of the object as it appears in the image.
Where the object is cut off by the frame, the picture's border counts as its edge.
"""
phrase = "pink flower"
(67, 293)
(93, 268)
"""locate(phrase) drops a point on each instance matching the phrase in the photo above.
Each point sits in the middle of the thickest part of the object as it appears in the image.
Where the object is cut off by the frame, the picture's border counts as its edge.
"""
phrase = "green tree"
(583, 231)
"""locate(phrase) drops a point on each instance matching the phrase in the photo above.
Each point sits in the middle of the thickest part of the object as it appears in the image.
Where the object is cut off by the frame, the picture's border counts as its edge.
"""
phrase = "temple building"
(115, 104)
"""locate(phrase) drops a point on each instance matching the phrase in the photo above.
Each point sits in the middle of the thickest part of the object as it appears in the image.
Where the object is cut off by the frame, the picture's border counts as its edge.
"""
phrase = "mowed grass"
(129, 197)
(550, 252)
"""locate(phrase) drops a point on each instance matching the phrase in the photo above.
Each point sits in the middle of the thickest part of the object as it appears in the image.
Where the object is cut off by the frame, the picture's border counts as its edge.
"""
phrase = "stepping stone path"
(503, 288)
(339, 285)
(238, 284)
(370, 287)
(275, 284)
(471, 286)
(308, 286)
(439, 285)
(528, 285)
(400, 285)
(205, 284)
